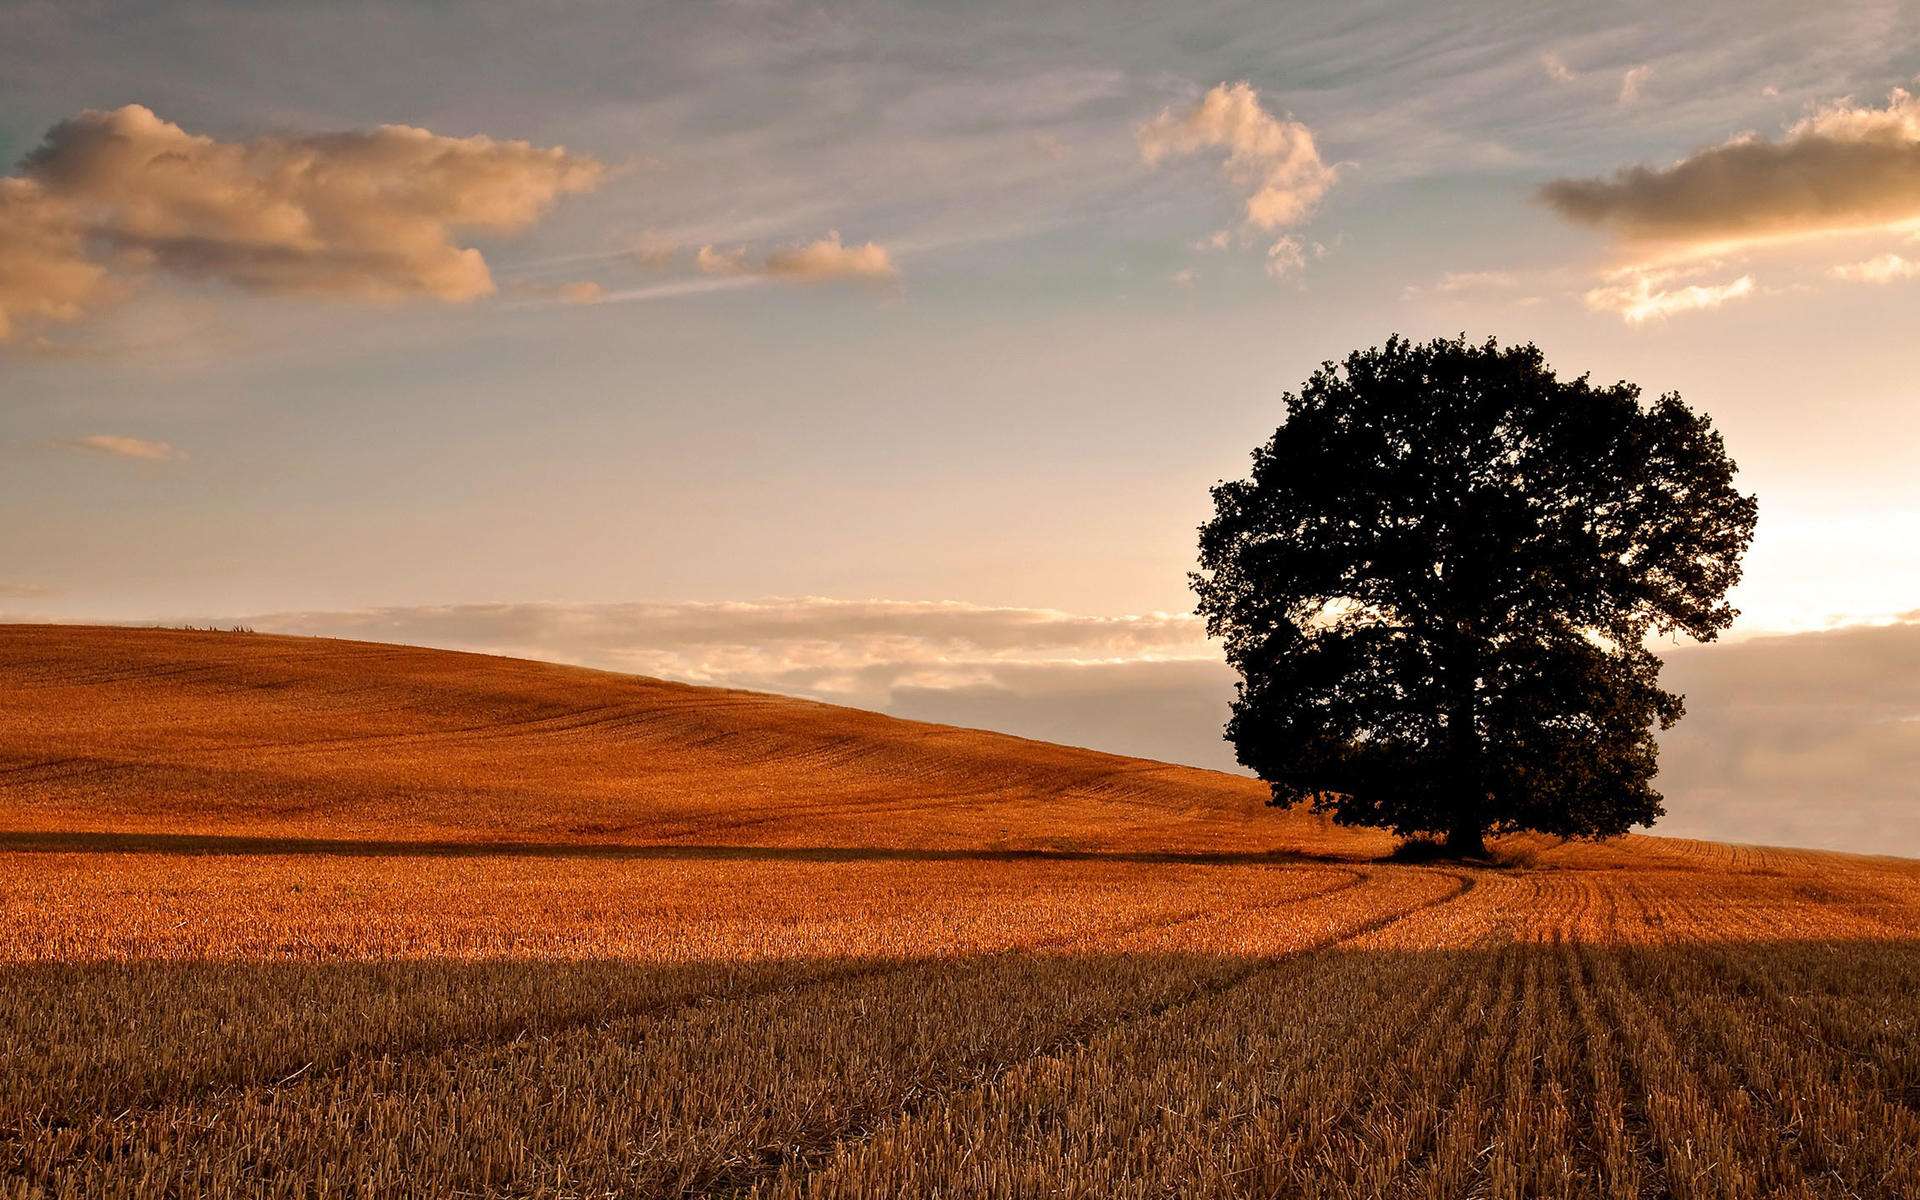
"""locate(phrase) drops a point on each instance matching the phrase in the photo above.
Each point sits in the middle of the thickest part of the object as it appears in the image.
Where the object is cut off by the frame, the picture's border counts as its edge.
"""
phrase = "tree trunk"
(1465, 839)
(1465, 834)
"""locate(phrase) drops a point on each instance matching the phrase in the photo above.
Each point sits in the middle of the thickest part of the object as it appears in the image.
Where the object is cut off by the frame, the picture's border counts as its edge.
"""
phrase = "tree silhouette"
(1438, 583)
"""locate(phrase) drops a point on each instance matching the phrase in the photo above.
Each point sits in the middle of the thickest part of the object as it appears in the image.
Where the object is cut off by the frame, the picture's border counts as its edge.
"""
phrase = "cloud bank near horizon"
(857, 652)
(1806, 739)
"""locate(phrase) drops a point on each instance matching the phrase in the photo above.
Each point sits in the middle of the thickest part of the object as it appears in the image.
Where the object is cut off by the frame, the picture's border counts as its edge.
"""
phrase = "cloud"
(24, 591)
(650, 250)
(715, 261)
(45, 273)
(1285, 256)
(1556, 68)
(1808, 739)
(853, 651)
(1275, 160)
(676, 288)
(1171, 711)
(126, 447)
(1459, 282)
(579, 291)
(1465, 281)
(1147, 685)
(1841, 169)
(1630, 83)
(822, 259)
(827, 258)
(370, 215)
(1642, 295)
(1885, 269)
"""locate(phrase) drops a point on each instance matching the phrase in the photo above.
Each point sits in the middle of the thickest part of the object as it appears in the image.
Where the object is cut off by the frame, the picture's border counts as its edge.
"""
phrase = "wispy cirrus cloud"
(1631, 81)
(111, 196)
(579, 291)
(116, 446)
(1638, 295)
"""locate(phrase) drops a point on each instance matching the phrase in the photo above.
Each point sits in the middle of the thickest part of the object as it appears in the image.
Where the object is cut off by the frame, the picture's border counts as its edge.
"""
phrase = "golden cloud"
(45, 273)
(827, 258)
(821, 259)
(1275, 157)
(1843, 169)
(372, 215)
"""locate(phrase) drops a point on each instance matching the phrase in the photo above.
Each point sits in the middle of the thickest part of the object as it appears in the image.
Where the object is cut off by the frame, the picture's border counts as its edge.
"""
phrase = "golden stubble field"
(292, 917)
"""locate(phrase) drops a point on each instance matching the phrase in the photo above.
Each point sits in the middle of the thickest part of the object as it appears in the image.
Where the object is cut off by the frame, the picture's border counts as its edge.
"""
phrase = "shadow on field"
(65, 842)
(99, 1038)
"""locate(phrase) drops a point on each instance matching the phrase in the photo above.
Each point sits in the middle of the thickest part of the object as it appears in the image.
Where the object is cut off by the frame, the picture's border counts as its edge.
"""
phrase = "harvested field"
(283, 917)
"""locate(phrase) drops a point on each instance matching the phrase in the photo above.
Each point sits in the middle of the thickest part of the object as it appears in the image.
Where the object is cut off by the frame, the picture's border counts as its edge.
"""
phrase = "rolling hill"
(183, 732)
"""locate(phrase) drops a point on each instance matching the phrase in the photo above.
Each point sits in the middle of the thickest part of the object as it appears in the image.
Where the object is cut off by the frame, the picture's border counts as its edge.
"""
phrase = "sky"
(885, 353)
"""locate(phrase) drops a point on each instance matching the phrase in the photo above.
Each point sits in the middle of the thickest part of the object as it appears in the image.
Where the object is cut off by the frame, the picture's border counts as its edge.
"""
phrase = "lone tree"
(1438, 583)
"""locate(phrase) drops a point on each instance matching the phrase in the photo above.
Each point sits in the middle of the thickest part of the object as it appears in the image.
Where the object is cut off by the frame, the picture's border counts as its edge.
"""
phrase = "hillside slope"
(187, 732)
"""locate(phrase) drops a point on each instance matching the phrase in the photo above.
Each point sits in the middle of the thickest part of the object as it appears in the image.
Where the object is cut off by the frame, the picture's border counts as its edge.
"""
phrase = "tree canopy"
(1439, 581)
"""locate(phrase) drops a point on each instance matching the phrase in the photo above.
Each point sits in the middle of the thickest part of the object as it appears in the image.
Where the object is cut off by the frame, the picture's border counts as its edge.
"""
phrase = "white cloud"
(1274, 158)
(1286, 256)
(1887, 268)
(1631, 82)
(125, 447)
(1642, 295)
(1556, 68)
(373, 214)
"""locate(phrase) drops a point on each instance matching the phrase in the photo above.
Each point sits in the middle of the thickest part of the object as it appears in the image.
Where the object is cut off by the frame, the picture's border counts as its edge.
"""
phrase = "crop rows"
(993, 1028)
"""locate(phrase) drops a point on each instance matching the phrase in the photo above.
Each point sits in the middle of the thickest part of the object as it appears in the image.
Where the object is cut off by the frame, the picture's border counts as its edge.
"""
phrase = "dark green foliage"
(1438, 582)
